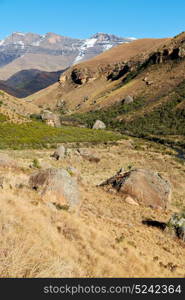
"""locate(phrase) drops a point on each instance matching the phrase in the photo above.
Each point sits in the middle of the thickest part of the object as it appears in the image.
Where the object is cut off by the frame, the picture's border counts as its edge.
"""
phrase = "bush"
(36, 117)
(36, 164)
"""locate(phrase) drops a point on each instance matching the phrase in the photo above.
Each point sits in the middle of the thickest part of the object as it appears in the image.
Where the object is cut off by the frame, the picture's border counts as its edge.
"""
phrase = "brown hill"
(6, 88)
(151, 71)
(16, 110)
(91, 79)
(27, 82)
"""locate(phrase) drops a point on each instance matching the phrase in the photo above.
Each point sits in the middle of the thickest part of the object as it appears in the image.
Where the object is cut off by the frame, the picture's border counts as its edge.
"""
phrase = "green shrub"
(36, 164)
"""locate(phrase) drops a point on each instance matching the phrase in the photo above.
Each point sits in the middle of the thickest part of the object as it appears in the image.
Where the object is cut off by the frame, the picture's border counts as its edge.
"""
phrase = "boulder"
(143, 186)
(51, 119)
(59, 153)
(56, 186)
(176, 225)
(88, 155)
(99, 125)
(128, 99)
(130, 201)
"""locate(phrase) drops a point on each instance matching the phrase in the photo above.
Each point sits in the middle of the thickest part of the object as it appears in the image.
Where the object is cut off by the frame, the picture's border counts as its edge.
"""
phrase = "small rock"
(128, 99)
(59, 153)
(149, 82)
(131, 201)
(121, 171)
(99, 125)
(51, 119)
(88, 155)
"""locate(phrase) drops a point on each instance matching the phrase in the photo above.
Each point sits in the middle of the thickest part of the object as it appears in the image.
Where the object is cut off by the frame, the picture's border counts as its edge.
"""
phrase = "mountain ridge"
(47, 53)
(18, 44)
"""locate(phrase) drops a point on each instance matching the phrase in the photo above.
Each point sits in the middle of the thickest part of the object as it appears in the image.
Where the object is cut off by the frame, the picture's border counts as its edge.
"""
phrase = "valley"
(92, 163)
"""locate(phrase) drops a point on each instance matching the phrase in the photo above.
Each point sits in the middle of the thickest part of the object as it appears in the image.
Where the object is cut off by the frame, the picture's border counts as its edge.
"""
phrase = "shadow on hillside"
(154, 223)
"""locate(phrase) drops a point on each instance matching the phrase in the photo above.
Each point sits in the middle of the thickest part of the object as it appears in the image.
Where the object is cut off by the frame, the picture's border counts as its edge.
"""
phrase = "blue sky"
(81, 19)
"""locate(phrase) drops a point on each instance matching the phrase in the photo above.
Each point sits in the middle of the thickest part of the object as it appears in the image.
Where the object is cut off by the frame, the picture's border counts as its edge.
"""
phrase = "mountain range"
(150, 72)
(30, 54)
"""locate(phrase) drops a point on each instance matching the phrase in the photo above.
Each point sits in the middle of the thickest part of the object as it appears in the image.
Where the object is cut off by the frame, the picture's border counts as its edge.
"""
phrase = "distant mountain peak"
(51, 51)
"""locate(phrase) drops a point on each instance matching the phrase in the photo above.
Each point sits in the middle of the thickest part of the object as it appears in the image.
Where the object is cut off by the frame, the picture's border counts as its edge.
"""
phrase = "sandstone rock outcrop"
(143, 186)
(56, 186)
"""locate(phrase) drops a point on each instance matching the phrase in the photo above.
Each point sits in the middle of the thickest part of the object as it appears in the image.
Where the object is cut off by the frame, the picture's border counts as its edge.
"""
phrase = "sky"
(83, 18)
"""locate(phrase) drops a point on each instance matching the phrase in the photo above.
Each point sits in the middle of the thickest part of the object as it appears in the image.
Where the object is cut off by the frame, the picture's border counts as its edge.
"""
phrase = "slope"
(89, 79)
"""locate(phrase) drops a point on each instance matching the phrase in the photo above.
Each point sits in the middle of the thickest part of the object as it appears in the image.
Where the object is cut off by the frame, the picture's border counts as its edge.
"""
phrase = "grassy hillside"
(97, 68)
(162, 122)
(37, 135)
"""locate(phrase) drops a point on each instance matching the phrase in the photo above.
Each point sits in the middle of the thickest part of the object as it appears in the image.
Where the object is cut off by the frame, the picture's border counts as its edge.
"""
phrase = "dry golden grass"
(105, 237)
(15, 109)
(126, 51)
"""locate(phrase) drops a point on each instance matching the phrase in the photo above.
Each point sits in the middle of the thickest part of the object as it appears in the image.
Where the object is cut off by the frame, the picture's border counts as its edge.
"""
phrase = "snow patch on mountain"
(107, 47)
(19, 33)
(21, 43)
(132, 38)
(87, 44)
(37, 43)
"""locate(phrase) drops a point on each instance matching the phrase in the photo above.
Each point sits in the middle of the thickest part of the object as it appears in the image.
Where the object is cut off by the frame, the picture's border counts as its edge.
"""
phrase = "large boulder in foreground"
(99, 125)
(143, 186)
(56, 186)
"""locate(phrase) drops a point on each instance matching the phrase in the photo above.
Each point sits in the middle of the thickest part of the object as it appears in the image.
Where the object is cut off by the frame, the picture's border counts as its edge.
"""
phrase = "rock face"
(176, 225)
(143, 186)
(99, 125)
(128, 99)
(56, 186)
(51, 119)
(59, 153)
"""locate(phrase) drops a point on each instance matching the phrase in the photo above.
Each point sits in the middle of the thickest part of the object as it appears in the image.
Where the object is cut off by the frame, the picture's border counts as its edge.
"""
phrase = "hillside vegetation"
(165, 118)
(38, 135)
